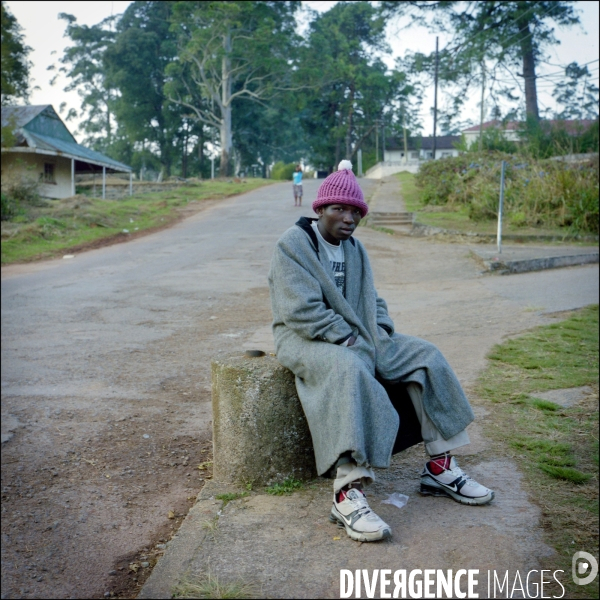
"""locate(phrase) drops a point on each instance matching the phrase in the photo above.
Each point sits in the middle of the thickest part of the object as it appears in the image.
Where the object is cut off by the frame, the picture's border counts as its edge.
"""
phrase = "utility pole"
(376, 142)
(435, 84)
(405, 136)
(481, 112)
(382, 141)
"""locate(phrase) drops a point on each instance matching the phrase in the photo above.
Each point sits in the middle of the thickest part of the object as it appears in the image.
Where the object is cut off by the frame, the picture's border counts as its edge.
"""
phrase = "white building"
(418, 149)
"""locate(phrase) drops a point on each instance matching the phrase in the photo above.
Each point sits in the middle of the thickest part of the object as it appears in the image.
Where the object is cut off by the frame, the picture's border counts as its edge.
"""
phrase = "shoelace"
(362, 506)
(458, 472)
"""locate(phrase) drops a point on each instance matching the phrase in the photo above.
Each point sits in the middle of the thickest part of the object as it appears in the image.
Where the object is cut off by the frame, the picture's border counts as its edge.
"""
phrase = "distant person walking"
(297, 178)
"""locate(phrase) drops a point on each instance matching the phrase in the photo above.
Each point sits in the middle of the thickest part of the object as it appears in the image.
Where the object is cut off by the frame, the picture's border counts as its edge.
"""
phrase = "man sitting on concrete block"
(334, 333)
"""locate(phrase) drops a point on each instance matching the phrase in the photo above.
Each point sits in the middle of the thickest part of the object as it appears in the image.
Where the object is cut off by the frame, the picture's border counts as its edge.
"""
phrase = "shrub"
(544, 139)
(283, 171)
(548, 193)
(9, 207)
(17, 194)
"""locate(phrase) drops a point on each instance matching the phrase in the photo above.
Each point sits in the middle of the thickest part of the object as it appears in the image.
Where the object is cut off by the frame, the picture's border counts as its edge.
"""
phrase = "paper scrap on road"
(396, 499)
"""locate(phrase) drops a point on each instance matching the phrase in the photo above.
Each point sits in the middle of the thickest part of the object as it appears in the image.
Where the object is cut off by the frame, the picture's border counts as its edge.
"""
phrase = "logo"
(582, 574)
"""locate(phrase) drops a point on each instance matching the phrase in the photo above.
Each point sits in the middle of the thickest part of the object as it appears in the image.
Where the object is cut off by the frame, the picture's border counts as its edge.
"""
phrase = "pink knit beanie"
(341, 187)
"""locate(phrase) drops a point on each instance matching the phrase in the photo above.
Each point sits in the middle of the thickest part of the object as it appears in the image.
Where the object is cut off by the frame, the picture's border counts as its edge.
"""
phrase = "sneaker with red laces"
(443, 477)
(351, 511)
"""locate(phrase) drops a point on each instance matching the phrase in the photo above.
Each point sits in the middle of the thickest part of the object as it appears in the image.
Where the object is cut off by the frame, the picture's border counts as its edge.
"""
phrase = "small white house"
(37, 145)
(510, 131)
(421, 148)
(418, 150)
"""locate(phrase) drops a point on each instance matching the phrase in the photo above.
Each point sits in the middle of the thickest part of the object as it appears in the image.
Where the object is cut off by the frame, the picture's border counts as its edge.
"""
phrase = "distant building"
(36, 144)
(418, 149)
(421, 148)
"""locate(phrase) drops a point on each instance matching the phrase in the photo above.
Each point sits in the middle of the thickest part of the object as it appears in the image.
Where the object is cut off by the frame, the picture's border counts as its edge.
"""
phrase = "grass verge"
(455, 217)
(556, 447)
(61, 226)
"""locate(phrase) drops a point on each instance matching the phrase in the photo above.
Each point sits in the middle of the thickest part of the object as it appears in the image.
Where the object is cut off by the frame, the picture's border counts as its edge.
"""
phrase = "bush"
(543, 139)
(283, 171)
(17, 193)
(9, 208)
(547, 193)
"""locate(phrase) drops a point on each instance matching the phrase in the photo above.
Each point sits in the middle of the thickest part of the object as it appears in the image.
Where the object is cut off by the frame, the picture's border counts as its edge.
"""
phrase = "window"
(49, 173)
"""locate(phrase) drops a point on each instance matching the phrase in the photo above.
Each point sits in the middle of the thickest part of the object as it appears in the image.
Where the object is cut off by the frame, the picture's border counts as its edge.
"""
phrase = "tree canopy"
(15, 64)
(168, 85)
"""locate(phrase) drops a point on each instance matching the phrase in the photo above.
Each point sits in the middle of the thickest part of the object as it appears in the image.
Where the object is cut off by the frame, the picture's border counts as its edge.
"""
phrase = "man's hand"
(351, 341)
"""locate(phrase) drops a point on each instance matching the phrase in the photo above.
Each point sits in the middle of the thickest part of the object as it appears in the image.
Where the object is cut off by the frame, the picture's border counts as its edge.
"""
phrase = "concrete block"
(260, 433)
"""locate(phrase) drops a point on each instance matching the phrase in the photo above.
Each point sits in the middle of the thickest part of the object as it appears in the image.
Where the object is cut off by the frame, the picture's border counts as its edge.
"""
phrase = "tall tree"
(268, 132)
(509, 33)
(134, 65)
(229, 51)
(353, 89)
(15, 65)
(83, 63)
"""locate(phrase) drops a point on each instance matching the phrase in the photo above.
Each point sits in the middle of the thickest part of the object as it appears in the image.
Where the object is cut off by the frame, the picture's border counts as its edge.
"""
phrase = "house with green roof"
(36, 144)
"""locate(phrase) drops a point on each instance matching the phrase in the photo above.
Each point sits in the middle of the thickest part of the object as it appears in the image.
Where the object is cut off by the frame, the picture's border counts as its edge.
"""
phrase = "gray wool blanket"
(347, 409)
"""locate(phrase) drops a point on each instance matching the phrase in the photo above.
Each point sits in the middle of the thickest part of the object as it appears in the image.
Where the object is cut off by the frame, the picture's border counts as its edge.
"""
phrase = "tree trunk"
(184, 142)
(225, 134)
(164, 145)
(338, 150)
(108, 127)
(531, 103)
(201, 149)
(226, 164)
(349, 130)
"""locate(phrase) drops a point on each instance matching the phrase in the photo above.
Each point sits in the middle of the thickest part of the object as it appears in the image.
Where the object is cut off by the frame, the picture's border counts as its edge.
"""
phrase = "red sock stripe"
(439, 464)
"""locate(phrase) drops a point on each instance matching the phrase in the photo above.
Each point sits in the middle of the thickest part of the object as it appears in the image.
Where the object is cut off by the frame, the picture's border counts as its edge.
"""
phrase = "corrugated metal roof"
(19, 116)
(44, 142)
(42, 128)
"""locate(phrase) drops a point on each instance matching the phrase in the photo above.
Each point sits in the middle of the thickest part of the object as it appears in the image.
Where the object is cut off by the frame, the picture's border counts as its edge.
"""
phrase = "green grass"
(456, 217)
(556, 447)
(227, 498)
(410, 193)
(210, 586)
(288, 486)
(61, 226)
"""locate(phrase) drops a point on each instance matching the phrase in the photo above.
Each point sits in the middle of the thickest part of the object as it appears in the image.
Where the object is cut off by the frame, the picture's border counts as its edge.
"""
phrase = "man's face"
(338, 221)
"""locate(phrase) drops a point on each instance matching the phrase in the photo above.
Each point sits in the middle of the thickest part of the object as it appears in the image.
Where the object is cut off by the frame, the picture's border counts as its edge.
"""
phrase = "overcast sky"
(44, 33)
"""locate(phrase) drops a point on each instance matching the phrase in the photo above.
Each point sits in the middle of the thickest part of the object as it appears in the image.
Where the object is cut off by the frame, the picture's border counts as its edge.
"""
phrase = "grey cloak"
(341, 388)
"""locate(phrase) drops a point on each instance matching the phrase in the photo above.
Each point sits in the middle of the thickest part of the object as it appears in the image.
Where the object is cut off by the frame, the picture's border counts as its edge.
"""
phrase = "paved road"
(123, 336)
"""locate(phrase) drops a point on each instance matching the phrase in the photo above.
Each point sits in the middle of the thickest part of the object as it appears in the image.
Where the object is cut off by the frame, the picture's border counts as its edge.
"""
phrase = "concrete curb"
(507, 266)
(422, 230)
(540, 264)
(181, 550)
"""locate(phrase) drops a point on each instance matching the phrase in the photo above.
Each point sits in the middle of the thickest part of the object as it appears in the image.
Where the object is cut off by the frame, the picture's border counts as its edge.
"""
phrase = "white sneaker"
(456, 484)
(354, 514)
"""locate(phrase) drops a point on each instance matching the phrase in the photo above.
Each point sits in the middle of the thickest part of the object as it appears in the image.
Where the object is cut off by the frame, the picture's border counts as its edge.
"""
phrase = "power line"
(480, 33)
(563, 72)
(515, 35)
